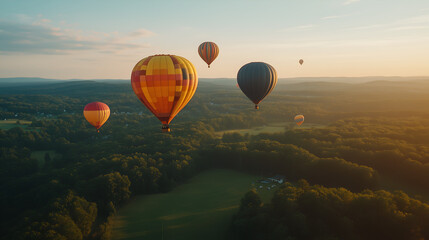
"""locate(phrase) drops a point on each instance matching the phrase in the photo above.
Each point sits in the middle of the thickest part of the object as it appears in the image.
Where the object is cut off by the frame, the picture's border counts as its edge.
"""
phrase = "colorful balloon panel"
(96, 113)
(299, 119)
(208, 51)
(257, 80)
(164, 84)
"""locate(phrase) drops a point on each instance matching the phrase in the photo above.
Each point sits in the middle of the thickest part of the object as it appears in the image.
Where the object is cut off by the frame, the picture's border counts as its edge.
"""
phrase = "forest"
(317, 212)
(362, 174)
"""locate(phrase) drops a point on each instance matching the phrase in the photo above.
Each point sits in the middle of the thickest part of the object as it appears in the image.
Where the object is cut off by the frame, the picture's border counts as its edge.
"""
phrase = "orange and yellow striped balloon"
(96, 113)
(208, 52)
(164, 84)
(299, 119)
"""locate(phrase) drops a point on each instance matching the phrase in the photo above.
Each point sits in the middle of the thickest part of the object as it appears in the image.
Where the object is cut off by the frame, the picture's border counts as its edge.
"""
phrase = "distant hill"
(37, 81)
(233, 81)
(63, 87)
(73, 87)
(351, 79)
(76, 87)
(222, 81)
(10, 82)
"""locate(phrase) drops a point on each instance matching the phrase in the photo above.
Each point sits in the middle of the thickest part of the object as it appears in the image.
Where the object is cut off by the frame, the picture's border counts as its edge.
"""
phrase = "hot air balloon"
(96, 113)
(164, 84)
(257, 80)
(208, 52)
(299, 119)
(301, 61)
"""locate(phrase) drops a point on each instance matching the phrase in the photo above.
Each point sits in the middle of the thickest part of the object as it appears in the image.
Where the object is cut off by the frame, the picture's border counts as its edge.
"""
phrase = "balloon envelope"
(301, 61)
(299, 119)
(164, 84)
(208, 51)
(96, 113)
(257, 80)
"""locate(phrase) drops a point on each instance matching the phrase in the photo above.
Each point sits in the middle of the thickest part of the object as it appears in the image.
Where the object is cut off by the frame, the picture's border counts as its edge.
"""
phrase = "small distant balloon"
(301, 61)
(96, 113)
(256, 80)
(208, 51)
(299, 119)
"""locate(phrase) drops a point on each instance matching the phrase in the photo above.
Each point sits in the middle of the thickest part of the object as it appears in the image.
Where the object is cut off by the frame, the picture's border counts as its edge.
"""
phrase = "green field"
(270, 128)
(199, 209)
(40, 156)
(11, 123)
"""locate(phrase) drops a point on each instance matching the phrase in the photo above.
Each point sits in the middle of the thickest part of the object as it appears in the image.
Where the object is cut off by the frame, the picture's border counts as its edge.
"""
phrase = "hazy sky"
(105, 39)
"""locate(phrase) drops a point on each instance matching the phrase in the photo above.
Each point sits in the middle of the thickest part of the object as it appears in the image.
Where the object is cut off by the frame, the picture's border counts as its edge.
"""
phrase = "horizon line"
(123, 79)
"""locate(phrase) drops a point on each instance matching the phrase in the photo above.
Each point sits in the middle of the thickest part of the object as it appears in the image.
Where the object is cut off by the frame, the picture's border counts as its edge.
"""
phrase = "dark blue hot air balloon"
(257, 80)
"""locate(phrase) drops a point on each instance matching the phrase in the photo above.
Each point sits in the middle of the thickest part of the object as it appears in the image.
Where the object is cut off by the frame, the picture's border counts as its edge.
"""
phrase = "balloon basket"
(165, 128)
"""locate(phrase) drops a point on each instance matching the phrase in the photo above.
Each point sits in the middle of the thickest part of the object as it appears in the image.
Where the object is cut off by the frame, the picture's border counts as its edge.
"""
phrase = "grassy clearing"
(199, 209)
(270, 128)
(40, 156)
(11, 123)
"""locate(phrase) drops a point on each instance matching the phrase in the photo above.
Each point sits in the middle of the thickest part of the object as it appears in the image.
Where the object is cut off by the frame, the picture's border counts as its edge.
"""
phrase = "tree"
(72, 218)
(250, 203)
(82, 212)
(47, 158)
(111, 187)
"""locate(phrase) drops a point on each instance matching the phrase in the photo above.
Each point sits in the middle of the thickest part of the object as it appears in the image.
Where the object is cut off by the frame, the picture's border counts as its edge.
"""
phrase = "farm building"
(277, 179)
(264, 181)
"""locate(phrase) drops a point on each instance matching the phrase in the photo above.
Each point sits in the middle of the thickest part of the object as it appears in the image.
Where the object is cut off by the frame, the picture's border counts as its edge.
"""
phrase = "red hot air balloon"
(208, 51)
(299, 119)
(164, 84)
(96, 113)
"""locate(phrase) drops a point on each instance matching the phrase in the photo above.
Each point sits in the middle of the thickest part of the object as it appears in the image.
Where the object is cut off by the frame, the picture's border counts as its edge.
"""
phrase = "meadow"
(40, 156)
(276, 127)
(11, 123)
(200, 209)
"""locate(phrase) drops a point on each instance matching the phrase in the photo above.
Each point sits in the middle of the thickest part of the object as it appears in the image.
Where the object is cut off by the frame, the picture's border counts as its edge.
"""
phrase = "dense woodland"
(373, 133)
(317, 212)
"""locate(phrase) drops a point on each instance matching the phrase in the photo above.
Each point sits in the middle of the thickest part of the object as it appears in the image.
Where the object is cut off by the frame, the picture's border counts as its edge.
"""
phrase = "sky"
(105, 39)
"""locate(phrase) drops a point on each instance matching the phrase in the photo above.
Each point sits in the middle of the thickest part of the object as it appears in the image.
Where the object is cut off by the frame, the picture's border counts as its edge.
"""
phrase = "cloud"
(298, 28)
(39, 37)
(408, 28)
(336, 43)
(348, 2)
(132, 36)
(331, 17)
(141, 33)
(371, 26)
(415, 20)
(412, 23)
